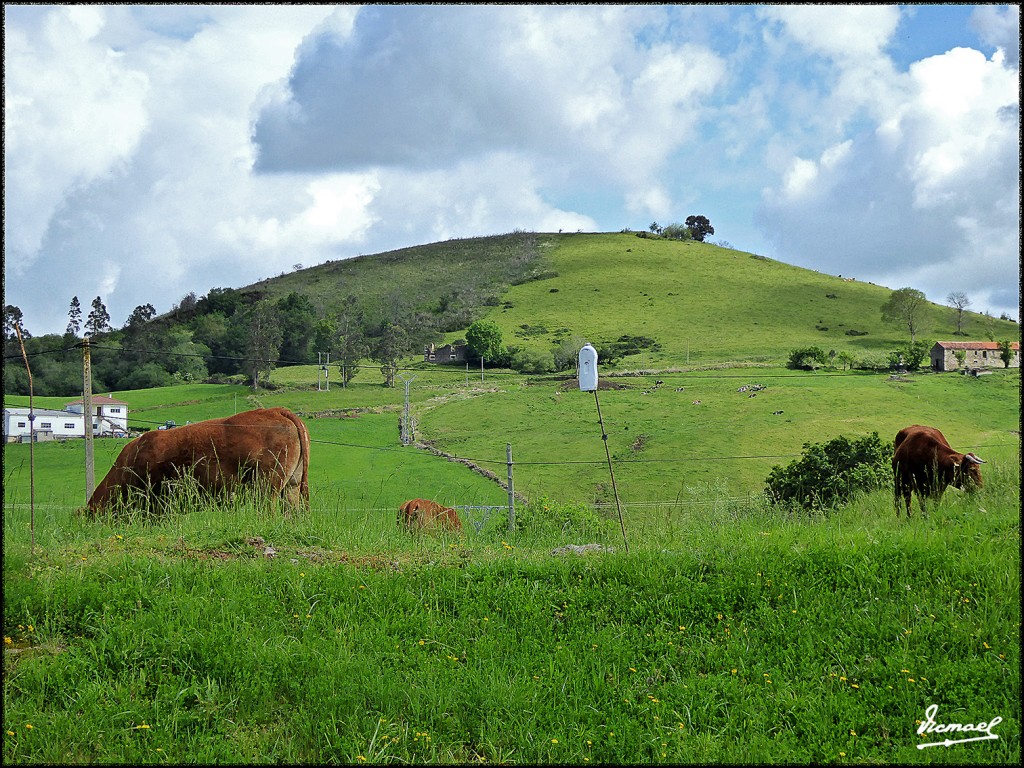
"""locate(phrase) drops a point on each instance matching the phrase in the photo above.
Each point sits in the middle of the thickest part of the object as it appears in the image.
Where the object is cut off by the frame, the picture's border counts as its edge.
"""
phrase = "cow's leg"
(902, 492)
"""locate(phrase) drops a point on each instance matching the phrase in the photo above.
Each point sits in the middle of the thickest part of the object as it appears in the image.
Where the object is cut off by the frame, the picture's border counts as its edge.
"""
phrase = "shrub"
(528, 361)
(830, 474)
(807, 358)
(911, 356)
(611, 351)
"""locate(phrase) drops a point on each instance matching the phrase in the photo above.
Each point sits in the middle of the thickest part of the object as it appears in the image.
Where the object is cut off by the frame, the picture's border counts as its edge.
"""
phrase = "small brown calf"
(420, 514)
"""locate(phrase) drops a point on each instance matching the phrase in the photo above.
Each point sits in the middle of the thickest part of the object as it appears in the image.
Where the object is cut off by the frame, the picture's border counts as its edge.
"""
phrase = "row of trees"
(694, 228)
(219, 336)
(909, 357)
(905, 307)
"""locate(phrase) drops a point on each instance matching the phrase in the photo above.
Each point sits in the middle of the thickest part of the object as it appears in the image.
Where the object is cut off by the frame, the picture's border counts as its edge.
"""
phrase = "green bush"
(830, 474)
(807, 358)
(529, 361)
(910, 356)
(609, 352)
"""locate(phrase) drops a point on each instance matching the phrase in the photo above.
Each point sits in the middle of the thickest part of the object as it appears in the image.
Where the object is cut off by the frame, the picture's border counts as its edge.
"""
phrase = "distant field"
(694, 434)
(730, 632)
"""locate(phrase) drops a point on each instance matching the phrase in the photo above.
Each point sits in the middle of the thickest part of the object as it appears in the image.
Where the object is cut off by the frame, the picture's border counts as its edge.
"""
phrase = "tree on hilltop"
(675, 231)
(699, 227)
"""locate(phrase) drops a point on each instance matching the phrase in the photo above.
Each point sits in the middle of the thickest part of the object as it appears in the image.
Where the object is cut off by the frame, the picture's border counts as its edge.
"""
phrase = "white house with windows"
(48, 425)
(110, 418)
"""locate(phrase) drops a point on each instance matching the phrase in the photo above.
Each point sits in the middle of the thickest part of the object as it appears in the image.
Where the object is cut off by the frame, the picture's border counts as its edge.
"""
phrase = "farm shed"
(977, 354)
(449, 353)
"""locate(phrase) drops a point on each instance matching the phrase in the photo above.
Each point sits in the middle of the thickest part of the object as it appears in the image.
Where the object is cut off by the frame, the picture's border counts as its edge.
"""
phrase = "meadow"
(730, 631)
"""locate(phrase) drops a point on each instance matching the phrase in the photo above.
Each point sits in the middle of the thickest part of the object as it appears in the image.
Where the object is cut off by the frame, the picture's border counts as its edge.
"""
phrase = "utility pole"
(406, 421)
(90, 465)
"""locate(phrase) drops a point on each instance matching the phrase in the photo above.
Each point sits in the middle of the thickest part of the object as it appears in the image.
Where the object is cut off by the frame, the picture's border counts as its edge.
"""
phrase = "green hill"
(713, 321)
(699, 303)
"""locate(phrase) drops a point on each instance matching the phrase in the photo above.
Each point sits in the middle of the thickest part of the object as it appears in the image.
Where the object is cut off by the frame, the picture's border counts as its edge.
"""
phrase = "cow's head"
(967, 472)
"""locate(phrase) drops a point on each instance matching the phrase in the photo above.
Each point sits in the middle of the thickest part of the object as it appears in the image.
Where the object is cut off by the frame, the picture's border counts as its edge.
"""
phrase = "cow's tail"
(300, 426)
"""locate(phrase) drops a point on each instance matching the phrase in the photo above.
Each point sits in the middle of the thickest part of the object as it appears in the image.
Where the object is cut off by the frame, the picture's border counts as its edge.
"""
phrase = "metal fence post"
(511, 490)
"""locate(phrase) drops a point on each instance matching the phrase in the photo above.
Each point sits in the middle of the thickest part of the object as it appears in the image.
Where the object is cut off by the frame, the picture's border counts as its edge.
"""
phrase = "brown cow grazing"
(923, 463)
(421, 514)
(267, 449)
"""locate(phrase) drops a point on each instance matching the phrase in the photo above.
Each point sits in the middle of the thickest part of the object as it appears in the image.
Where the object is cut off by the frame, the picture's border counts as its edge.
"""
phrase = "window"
(21, 424)
(115, 410)
(68, 425)
(46, 425)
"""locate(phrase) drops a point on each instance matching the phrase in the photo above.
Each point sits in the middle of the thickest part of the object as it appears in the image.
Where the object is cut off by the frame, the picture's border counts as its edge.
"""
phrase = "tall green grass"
(729, 633)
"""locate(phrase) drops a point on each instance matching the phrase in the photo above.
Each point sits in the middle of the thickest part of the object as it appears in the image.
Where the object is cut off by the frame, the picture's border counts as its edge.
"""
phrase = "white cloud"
(930, 198)
(73, 110)
(155, 150)
(453, 83)
(335, 210)
(1000, 26)
(842, 32)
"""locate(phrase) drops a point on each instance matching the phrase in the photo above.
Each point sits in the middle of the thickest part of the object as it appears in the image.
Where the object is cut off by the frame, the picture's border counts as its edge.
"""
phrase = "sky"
(154, 151)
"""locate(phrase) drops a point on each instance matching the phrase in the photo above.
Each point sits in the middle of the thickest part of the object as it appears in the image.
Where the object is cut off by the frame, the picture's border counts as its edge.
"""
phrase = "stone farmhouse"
(449, 353)
(110, 419)
(977, 354)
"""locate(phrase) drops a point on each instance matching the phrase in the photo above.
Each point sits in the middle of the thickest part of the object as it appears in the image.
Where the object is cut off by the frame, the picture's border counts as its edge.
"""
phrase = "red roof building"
(975, 354)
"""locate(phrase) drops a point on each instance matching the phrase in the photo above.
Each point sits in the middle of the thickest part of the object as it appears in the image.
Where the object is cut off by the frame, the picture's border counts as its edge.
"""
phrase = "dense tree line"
(226, 335)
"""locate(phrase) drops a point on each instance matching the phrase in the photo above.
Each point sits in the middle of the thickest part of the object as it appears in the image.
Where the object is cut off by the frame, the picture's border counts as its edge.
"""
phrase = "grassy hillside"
(705, 304)
(454, 278)
(701, 303)
(730, 632)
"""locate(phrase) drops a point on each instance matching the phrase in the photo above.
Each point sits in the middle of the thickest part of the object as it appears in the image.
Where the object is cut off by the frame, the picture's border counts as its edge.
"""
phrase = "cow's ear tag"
(588, 369)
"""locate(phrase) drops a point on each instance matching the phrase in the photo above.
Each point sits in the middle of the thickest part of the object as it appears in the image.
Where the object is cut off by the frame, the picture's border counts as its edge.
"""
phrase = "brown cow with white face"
(924, 463)
(267, 448)
(421, 514)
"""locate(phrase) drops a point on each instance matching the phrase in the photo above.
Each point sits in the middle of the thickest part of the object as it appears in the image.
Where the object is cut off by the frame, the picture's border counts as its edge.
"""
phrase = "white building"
(110, 418)
(48, 424)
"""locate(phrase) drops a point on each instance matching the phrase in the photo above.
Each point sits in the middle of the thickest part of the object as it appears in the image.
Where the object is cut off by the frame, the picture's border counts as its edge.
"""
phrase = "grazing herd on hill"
(267, 449)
